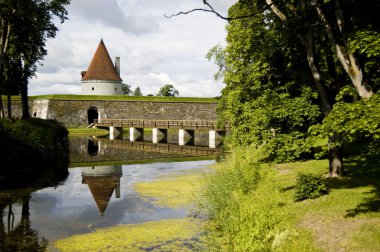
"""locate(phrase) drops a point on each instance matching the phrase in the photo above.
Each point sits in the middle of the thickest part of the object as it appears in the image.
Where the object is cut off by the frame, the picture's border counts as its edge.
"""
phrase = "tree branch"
(212, 10)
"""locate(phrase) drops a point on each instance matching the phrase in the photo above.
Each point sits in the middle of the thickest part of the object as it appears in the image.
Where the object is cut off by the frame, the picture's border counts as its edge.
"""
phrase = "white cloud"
(154, 50)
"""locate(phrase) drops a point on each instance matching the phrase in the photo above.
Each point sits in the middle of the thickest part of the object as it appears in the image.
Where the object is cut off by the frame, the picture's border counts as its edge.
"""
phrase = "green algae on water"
(164, 235)
(174, 192)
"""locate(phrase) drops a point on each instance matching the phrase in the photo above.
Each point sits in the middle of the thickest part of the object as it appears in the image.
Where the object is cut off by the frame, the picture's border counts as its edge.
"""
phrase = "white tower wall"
(101, 88)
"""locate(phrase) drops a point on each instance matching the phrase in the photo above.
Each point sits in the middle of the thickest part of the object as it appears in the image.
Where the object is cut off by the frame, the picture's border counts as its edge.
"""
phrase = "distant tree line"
(167, 90)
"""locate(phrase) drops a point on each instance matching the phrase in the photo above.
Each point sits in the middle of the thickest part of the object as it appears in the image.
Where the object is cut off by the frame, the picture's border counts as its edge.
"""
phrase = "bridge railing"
(163, 124)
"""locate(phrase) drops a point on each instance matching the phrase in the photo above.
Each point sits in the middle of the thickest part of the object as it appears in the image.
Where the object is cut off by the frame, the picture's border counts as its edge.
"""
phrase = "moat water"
(98, 192)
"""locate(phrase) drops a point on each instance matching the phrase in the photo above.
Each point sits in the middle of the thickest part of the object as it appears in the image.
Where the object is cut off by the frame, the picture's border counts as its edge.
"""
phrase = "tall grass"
(249, 206)
(237, 219)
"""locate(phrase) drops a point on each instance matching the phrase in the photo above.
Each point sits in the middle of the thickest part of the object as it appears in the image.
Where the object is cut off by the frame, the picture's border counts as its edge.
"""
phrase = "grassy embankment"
(252, 207)
(115, 98)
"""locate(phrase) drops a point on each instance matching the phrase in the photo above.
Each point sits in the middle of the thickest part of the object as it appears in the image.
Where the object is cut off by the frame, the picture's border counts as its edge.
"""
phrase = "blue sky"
(154, 50)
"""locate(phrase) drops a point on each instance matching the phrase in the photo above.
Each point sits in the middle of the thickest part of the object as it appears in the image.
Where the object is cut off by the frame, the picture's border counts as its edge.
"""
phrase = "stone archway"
(92, 114)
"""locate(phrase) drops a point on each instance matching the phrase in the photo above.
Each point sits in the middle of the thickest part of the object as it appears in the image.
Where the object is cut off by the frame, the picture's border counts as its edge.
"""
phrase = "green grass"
(115, 98)
(123, 98)
(267, 218)
(88, 131)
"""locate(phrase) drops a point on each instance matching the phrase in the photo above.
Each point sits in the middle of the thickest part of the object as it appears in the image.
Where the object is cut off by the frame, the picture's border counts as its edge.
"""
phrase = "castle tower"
(102, 76)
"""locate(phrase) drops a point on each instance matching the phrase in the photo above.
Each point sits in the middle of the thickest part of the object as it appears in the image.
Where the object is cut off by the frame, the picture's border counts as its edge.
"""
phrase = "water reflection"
(21, 237)
(91, 197)
(91, 149)
(102, 182)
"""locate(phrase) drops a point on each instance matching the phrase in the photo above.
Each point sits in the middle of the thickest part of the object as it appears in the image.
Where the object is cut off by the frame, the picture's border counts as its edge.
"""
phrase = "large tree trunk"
(2, 114)
(24, 99)
(4, 41)
(309, 45)
(9, 101)
(335, 155)
(347, 59)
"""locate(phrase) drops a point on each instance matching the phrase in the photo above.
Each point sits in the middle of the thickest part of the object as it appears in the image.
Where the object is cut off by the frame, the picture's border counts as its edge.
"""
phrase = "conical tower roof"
(101, 66)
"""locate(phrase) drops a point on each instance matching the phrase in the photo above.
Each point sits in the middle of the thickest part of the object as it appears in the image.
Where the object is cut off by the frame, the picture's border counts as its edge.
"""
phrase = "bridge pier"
(156, 132)
(182, 134)
(212, 135)
(136, 134)
(115, 132)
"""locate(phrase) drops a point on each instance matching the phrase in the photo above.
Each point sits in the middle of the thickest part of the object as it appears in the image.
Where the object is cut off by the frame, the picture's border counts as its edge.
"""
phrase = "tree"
(137, 92)
(25, 27)
(326, 33)
(168, 90)
(126, 89)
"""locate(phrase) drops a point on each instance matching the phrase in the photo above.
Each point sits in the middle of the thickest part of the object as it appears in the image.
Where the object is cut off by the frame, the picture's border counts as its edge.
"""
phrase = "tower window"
(115, 89)
(92, 88)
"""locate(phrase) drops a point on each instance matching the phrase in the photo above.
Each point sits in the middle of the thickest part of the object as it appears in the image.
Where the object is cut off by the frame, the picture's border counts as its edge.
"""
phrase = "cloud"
(110, 13)
(150, 57)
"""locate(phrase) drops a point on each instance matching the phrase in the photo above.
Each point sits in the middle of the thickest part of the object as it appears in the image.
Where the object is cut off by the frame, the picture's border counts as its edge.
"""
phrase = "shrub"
(309, 186)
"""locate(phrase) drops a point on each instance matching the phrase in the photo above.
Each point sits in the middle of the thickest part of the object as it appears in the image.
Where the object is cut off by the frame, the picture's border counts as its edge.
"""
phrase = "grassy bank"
(114, 98)
(252, 207)
(88, 131)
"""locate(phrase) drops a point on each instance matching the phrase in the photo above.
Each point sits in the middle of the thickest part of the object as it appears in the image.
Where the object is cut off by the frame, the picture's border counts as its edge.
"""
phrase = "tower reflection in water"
(102, 182)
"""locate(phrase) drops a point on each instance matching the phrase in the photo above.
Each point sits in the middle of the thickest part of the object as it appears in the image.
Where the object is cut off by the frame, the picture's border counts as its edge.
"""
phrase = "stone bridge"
(186, 129)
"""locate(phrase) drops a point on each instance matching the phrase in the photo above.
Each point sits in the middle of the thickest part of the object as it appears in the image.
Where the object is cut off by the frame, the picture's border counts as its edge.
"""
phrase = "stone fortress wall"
(74, 113)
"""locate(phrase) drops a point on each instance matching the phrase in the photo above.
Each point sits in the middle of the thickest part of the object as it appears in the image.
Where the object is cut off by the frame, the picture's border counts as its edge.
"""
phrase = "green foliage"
(137, 92)
(309, 186)
(366, 43)
(240, 176)
(41, 134)
(351, 121)
(217, 54)
(237, 221)
(168, 90)
(126, 89)
(25, 27)
(269, 96)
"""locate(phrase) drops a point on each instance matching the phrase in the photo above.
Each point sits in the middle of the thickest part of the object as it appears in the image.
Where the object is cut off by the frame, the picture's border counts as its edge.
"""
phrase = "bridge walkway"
(186, 129)
(161, 124)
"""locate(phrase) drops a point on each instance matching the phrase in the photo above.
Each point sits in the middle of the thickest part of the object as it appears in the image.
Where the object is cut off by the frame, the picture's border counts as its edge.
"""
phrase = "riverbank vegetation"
(253, 206)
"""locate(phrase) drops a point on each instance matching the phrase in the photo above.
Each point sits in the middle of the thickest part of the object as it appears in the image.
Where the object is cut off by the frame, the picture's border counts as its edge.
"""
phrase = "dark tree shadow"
(361, 171)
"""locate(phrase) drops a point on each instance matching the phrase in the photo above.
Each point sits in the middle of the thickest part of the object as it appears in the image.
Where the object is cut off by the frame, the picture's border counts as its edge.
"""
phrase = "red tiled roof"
(101, 66)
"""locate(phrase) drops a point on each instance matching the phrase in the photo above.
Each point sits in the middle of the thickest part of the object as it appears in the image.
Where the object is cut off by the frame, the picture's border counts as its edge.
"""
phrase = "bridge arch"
(92, 114)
